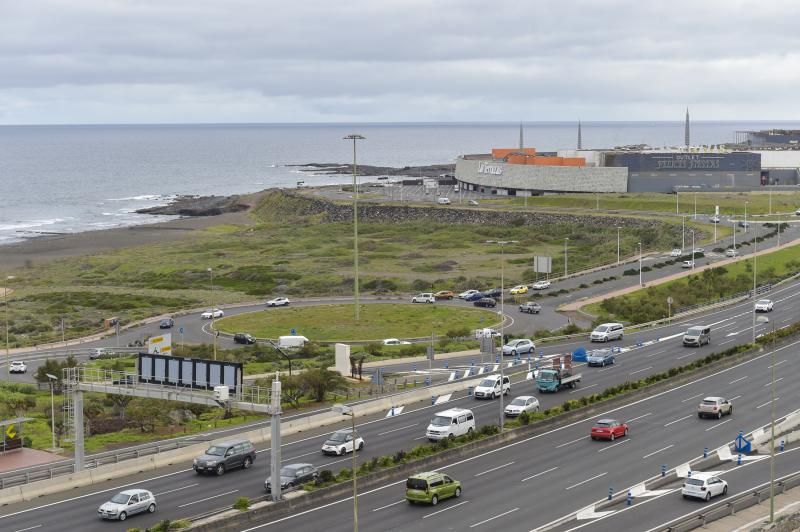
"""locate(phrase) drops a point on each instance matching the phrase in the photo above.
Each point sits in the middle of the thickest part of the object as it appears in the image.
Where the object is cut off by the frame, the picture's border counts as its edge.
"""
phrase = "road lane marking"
(640, 417)
(582, 388)
(778, 363)
(176, 489)
(776, 380)
(656, 353)
(493, 518)
(692, 397)
(735, 397)
(612, 366)
(388, 505)
(648, 455)
(29, 528)
(768, 402)
(587, 480)
(640, 370)
(208, 498)
(727, 341)
(569, 442)
(395, 430)
(684, 356)
(737, 380)
(444, 510)
(539, 474)
(607, 447)
(718, 424)
(299, 456)
(679, 419)
(493, 469)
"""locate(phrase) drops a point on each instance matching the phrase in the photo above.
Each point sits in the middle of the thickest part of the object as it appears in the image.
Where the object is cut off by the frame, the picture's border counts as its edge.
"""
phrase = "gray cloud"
(395, 60)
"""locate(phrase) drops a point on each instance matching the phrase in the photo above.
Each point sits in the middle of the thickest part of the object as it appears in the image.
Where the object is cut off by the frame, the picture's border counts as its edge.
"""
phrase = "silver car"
(126, 503)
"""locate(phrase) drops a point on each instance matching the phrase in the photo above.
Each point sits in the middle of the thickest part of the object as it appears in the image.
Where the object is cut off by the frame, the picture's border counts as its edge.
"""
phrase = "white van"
(443, 201)
(606, 332)
(450, 423)
(489, 388)
(292, 341)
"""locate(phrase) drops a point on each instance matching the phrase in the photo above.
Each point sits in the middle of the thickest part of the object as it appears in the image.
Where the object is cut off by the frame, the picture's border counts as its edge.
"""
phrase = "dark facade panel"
(685, 162)
(190, 372)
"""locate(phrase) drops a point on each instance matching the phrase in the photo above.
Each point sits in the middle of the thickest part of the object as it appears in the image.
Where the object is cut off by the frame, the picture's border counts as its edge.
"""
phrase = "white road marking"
(587, 480)
(388, 505)
(727, 341)
(648, 455)
(692, 397)
(684, 356)
(607, 447)
(29, 528)
(640, 370)
(656, 353)
(208, 498)
(583, 388)
(493, 518)
(737, 380)
(776, 380)
(777, 363)
(176, 489)
(395, 430)
(679, 419)
(718, 424)
(767, 403)
(299, 456)
(735, 397)
(444, 509)
(639, 417)
(539, 474)
(493, 469)
(569, 442)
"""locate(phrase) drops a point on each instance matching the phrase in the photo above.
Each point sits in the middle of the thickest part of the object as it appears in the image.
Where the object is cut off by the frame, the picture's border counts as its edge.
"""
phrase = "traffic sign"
(294, 332)
(10, 431)
(669, 300)
(181, 330)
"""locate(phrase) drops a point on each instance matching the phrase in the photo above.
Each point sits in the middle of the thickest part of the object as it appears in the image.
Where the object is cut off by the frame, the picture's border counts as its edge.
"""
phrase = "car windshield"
(120, 498)
(416, 484)
(289, 471)
(694, 482)
(440, 421)
(547, 376)
(488, 382)
(763, 301)
(514, 342)
(216, 451)
(694, 331)
(709, 402)
(519, 401)
(603, 424)
(602, 328)
(338, 436)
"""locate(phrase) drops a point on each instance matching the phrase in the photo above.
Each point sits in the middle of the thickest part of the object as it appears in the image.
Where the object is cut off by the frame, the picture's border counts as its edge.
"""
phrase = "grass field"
(337, 322)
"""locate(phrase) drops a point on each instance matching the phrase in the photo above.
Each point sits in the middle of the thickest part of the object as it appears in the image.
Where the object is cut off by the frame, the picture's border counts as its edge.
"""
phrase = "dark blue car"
(475, 297)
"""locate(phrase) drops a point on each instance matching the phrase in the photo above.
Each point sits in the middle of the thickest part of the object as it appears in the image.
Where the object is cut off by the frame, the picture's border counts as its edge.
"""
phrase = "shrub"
(524, 418)
(326, 475)
(631, 271)
(242, 504)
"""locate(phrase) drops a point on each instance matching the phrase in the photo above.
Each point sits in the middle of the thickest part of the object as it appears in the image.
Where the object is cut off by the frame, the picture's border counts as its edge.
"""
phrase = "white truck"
(292, 341)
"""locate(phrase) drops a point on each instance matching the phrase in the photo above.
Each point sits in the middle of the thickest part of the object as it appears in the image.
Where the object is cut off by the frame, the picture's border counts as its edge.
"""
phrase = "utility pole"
(355, 137)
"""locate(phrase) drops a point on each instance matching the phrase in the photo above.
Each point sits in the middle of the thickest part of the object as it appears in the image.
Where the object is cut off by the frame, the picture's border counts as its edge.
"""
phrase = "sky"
(264, 61)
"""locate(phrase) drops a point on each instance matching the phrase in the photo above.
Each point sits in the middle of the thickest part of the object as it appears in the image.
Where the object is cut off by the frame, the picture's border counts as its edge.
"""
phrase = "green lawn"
(337, 322)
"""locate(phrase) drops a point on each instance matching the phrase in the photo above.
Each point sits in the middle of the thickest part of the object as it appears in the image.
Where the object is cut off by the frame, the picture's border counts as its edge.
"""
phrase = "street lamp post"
(5, 304)
(618, 228)
(53, 380)
(683, 233)
(566, 240)
(355, 137)
(348, 411)
(677, 202)
(755, 266)
(692, 231)
(764, 319)
(213, 331)
(640, 264)
(745, 216)
(695, 205)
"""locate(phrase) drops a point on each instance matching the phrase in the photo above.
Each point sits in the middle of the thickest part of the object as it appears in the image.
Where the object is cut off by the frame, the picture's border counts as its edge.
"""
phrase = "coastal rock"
(431, 170)
(198, 206)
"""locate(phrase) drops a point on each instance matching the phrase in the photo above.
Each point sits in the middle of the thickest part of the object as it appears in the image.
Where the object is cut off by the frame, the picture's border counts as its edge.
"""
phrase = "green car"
(431, 487)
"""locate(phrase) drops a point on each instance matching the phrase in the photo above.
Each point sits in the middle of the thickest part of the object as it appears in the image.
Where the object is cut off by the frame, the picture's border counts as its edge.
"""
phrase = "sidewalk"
(757, 516)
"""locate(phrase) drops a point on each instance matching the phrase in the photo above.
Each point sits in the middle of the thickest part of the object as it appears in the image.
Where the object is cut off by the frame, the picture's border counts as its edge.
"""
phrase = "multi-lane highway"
(664, 430)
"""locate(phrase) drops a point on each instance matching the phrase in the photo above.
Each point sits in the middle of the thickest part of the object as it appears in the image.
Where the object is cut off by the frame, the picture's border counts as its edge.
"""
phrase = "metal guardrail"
(733, 505)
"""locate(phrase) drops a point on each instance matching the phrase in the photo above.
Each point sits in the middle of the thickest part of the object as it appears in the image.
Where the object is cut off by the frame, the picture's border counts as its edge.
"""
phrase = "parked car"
(687, 264)
(244, 338)
(17, 366)
(485, 302)
(730, 252)
(606, 332)
(697, 336)
(431, 487)
(443, 201)
(98, 352)
(293, 475)
(600, 357)
(395, 341)
(425, 297)
(609, 429)
(540, 285)
(278, 302)
(225, 456)
(126, 503)
(210, 314)
(474, 297)
(523, 403)
(466, 293)
(714, 407)
(531, 307)
(489, 387)
(166, 323)
(703, 486)
(444, 294)
(763, 305)
(519, 289)
(519, 346)
(676, 252)
(341, 442)
(494, 292)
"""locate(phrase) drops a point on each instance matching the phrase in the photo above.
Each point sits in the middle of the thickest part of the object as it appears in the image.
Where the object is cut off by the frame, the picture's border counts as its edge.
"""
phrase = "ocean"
(65, 179)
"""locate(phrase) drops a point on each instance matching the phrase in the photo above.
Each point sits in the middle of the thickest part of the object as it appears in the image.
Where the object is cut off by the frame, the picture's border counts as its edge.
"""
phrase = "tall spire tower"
(686, 130)
(580, 143)
(520, 137)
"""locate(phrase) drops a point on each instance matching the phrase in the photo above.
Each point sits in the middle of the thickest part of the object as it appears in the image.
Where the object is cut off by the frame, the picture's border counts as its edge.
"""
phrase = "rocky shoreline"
(431, 170)
(199, 206)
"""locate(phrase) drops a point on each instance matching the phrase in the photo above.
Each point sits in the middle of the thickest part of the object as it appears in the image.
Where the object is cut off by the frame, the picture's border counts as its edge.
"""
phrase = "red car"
(609, 429)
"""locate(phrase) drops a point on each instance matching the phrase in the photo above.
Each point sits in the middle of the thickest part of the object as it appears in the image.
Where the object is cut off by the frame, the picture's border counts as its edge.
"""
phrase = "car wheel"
(451, 436)
(725, 490)
(360, 445)
(513, 352)
(220, 470)
(593, 438)
(620, 337)
(605, 339)
(700, 415)
(410, 501)
(151, 508)
(458, 493)
(247, 463)
(469, 430)
(719, 414)
(730, 412)
(708, 496)
(123, 516)
(493, 395)
(342, 451)
(434, 500)
(603, 364)
(613, 437)
(684, 496)
(626, 432)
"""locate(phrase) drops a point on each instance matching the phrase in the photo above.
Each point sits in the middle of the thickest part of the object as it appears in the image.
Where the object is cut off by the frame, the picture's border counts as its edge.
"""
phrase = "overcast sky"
(192, 61)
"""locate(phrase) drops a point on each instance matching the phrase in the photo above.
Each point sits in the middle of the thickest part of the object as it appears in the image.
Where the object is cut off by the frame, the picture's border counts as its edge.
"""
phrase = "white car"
(540, 285)
(489, 388)
(126, 503)
(699, 250)
(443, 201)
(341, 442)
(395, 341)
(17, 366)
(763, 305)
(687, 264)
(278, 302)
(703, 486)
(523, 403)
(676, 252)
(714, 219)
(518, 347)
(730, 252)
(606, 332)
(214, 313)
(467, 293)
(425, 297)
(486, 333)
(797, 212)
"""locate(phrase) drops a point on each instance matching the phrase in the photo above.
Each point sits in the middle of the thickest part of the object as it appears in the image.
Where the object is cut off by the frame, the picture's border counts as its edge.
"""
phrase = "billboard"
(163, 369)
(542, 264)
(160, 344)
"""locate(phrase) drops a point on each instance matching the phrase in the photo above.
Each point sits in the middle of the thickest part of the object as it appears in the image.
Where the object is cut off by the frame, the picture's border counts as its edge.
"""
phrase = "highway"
(655, 424)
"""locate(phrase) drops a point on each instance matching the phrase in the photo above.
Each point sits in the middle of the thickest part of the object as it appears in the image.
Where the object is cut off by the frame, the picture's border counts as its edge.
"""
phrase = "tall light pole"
(695, 205)
(745, 216)
(213, 311)
(618, 228)
(348, 411)
(640, 264)
(5, 304)
(53, 380)
(764, 319)
(502, 320)
(566, 240)
(755, 266)
(683, 233)
(355, 137)
(677, 202)
(692, 231)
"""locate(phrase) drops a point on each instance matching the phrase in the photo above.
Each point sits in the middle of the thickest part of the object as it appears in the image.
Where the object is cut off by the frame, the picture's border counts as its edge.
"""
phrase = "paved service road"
(664, 430)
